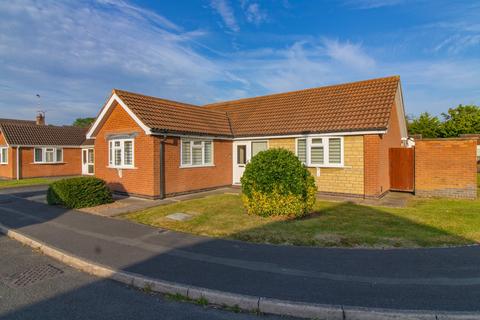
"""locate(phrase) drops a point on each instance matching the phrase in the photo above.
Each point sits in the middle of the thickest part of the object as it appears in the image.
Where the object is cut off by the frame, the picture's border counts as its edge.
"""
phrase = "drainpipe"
(18, 162)
(162, 166)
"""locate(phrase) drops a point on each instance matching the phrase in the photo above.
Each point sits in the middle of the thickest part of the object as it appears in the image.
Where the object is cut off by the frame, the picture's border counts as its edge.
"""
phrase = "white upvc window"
(3, 155)
(196, 153)
(321, 151)
(121, 153)
(48, 155)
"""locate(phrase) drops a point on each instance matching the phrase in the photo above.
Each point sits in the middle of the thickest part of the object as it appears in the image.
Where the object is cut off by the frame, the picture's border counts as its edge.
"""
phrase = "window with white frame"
(196, 152)
(120, 153)
(3, 155)
(48, 155)
(320, 151)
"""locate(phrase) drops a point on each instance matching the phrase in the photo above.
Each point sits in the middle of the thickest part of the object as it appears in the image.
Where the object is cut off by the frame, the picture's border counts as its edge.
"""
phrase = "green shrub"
(79, 192)
(276, 183)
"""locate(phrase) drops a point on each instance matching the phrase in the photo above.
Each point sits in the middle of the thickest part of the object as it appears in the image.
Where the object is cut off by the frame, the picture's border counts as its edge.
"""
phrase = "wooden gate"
(402, 169)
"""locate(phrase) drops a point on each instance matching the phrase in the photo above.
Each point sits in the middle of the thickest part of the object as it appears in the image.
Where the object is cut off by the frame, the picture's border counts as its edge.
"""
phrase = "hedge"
(276, 183)
(80, 192)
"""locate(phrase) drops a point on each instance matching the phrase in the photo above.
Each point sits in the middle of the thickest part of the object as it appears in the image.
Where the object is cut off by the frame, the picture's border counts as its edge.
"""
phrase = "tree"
(426, 125)
(83, 122)
(461, 120)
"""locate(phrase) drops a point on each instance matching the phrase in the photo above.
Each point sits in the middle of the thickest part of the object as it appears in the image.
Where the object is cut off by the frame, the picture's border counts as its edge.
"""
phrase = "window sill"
(3, 164)
(47, 163)
(328, 166)
(123, 168)
(198, 166)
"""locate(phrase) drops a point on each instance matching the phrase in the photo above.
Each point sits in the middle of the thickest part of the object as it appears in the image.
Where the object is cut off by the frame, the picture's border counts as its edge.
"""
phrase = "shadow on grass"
(351, 225)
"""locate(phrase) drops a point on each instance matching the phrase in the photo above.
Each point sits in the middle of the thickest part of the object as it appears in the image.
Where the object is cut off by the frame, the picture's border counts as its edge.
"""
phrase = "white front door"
(241, 156)
(88, 161)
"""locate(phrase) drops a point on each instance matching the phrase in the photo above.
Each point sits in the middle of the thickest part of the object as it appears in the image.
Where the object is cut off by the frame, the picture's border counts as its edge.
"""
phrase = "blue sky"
(73, 53)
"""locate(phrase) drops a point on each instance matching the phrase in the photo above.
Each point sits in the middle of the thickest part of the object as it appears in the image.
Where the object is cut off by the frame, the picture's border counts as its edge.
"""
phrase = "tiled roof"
(356, 106)
(175, 117)
(30, 134)
(18, 121)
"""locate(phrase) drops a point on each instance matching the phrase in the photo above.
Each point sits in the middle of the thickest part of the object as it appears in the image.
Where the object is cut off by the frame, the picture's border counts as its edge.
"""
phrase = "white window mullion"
(191, 153)
(326, 150)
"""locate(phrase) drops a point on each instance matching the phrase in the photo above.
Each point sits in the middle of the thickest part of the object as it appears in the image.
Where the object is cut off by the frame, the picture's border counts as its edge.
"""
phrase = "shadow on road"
(328, 276)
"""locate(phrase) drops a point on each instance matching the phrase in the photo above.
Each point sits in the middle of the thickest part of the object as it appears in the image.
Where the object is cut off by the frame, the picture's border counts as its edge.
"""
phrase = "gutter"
(162, 166)
(18, 162)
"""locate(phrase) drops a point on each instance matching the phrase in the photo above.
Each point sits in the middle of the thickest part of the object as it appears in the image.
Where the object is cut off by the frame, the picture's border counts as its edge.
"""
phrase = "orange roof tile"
(357, 106)
(175, 117)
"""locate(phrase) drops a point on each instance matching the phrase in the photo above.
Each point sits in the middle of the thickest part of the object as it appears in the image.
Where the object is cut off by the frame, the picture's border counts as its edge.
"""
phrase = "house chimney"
(40, 118)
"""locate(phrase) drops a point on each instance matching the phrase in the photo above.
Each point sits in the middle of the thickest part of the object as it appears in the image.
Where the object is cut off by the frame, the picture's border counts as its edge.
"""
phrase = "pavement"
(33, 286)
(443, 279)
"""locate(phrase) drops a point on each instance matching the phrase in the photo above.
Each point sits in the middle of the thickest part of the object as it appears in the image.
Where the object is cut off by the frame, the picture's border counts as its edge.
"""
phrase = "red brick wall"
(6, 170)
(180, 180)
(446, 168)
(143, 180)
(377, 176)
(71, 166)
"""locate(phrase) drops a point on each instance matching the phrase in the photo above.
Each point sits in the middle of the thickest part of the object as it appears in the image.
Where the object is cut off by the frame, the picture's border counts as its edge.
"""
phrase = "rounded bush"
(80, 192)
(276, 183)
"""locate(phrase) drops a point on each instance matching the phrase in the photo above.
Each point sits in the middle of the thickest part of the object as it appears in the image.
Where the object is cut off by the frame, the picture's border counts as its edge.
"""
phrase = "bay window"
(195, 153)
(48, 155)
(320, 151)
(3, 155)
(121, 153)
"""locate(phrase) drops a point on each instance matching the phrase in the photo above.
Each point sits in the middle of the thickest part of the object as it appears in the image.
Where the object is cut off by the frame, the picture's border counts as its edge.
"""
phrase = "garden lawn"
(424, 223)
(24, 182)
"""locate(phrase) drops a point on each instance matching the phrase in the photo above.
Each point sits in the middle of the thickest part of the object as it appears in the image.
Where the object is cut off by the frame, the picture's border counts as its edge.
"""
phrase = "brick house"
(152, 147)
(30, 149)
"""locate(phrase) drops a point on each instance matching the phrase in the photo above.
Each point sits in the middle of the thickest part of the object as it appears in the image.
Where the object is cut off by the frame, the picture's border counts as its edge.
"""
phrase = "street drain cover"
(33, 275)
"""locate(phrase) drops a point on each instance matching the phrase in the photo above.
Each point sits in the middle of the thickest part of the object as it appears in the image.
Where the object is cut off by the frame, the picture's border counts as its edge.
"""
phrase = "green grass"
(24, 182)
(423, 223)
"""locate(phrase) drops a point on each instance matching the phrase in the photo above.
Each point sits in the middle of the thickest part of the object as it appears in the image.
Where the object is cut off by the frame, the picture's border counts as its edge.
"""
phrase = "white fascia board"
(190, 136)
(45, 146)
(330, 134)
(401, 112)
(105, 110)
(354, 133)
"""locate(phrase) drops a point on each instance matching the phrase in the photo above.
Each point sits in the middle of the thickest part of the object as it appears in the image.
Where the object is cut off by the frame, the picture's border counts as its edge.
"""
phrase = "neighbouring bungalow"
(31, 149)
(152, 147)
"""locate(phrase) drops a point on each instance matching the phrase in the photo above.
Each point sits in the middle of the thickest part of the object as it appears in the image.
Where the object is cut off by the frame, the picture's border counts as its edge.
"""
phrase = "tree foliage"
(457, 121)
(83, 122)
(426, 125)
(461, 120)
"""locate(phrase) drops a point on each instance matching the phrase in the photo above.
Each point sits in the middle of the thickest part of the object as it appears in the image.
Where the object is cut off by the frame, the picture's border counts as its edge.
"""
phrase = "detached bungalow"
(31, 149)
(153, 147)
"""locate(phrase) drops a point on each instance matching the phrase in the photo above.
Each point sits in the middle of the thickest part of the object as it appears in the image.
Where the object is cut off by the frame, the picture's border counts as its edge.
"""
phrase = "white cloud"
(223, 8)
(253, 13)
(73, 54)
(373, 4)
(349, 54)
(141, 13)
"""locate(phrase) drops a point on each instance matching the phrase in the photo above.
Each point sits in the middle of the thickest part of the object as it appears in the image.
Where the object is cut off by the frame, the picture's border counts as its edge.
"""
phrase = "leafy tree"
(426, 125)
(461, 120)
(83, 122)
